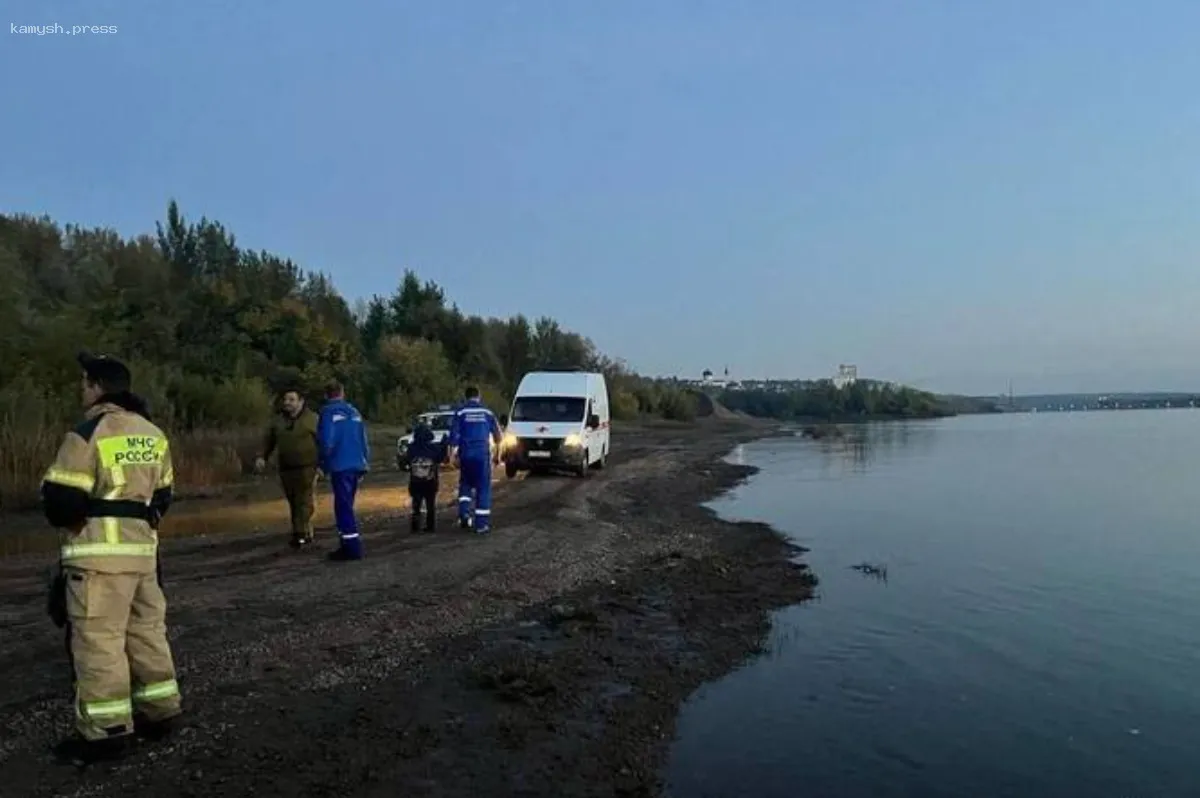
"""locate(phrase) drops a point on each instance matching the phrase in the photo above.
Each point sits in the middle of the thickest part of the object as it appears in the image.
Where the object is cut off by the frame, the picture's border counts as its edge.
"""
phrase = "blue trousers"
(475, 479)
(345, 488)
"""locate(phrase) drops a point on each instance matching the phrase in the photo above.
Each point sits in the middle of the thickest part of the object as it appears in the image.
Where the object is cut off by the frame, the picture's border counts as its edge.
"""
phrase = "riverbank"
(548, 659)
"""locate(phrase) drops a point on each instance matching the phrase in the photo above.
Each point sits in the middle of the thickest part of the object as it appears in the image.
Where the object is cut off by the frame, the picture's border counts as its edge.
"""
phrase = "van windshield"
(549, 409)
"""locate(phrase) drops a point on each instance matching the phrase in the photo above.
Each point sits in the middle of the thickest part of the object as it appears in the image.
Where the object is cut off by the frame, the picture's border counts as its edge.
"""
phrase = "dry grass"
(204, 460)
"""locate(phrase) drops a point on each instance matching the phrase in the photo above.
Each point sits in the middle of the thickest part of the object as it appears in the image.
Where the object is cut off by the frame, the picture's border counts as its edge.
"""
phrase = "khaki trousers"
(299, 487)
(117, 641)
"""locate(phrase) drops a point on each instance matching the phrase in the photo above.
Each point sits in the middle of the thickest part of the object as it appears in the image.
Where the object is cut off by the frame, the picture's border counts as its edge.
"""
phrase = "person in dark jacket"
(293, 433)
(425, 458)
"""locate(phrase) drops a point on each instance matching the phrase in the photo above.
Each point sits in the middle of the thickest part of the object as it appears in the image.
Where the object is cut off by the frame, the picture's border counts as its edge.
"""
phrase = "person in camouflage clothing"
(293, 434)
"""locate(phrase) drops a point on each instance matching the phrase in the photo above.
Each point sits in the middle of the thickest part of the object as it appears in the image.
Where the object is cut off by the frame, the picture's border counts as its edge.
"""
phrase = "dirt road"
(547, 659)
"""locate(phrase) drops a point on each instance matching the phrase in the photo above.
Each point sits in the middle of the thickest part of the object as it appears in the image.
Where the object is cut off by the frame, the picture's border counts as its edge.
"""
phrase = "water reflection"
(856, 448)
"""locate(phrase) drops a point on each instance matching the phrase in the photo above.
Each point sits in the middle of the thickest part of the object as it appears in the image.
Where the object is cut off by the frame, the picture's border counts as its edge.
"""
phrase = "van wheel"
(581, 470)
(510, 470)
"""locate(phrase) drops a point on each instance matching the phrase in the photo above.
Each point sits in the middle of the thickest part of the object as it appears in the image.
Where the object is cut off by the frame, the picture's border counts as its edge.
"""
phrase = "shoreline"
(557, 667)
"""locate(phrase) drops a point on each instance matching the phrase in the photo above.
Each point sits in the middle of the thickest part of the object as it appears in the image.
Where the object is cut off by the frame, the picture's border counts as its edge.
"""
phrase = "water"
(1038, 634)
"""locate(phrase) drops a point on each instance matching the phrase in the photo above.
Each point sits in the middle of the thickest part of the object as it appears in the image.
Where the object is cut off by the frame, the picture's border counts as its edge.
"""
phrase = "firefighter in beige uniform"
(110, 484)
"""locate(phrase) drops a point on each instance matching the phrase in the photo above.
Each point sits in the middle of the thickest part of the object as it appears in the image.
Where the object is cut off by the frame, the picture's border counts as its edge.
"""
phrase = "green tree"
(214, 330)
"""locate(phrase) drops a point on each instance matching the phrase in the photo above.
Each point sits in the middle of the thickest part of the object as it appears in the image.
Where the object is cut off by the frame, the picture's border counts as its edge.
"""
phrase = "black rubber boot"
(80, 752)
(156, 730)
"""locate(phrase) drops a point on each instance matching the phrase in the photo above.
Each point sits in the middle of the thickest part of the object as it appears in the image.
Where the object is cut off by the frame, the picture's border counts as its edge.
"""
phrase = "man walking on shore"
(345, 458)
(471, 434)
(293, 433)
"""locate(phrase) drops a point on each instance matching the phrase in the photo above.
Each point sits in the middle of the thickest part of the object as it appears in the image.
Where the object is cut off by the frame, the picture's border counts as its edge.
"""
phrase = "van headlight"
(510, 440)
(572, 441)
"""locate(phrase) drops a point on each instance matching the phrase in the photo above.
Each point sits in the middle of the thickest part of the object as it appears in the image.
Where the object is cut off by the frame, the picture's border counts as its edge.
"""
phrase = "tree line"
(213, 330)
(824, 401)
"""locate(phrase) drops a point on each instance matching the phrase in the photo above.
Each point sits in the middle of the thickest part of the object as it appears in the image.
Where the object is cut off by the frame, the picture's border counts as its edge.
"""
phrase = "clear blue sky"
(947, 193)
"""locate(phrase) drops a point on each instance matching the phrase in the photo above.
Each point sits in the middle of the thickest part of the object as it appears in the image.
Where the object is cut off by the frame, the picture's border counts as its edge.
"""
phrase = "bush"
(414, 374)
(624, 406)
(29, 439)
(203, 459)
(34, 420)
(200, 402)
(679, 405)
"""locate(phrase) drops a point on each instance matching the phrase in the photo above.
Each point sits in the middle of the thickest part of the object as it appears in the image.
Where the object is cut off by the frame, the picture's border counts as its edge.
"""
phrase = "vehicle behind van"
(558, 420)
(437, 420)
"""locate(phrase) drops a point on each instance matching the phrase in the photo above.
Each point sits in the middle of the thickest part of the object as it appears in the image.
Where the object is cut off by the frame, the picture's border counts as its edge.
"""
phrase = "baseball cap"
(106, 371)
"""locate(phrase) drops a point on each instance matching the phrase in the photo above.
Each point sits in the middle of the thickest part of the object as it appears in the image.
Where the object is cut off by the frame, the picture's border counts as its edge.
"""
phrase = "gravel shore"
(549, 659)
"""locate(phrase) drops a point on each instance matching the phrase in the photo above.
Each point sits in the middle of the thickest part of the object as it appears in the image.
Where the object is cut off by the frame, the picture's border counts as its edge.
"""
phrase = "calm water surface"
(1038, 634)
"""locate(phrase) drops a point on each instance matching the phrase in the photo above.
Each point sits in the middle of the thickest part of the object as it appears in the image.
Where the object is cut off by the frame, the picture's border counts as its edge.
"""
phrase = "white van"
(559, 419)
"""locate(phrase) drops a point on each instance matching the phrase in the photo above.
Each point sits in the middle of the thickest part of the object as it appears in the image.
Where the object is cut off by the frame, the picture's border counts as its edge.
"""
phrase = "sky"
(949, 194)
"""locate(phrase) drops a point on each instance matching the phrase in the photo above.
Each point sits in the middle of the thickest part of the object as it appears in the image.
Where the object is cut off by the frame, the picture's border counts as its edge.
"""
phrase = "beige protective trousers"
(119, 651)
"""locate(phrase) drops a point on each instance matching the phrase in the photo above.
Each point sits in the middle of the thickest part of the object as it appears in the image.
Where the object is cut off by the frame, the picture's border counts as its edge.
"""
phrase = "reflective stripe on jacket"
(473, 429)
(111, 480)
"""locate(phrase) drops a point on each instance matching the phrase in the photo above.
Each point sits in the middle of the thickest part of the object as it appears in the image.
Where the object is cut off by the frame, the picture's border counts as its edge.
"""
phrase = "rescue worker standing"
(471, 432)
(345, 458)
(109, 486)
(293, 432)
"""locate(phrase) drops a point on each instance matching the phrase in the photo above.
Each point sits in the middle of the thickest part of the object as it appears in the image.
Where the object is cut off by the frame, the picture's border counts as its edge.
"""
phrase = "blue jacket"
(473, 425)
(342, 437)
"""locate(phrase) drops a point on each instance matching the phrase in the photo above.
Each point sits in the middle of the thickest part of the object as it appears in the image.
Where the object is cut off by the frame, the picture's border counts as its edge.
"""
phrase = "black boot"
(415, 525)
(155, 730)
(80, 752)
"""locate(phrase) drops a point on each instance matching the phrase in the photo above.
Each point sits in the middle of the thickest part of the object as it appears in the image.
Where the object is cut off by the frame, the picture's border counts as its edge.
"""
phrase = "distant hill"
(1097, 401)
(708, 406)
(969, 405)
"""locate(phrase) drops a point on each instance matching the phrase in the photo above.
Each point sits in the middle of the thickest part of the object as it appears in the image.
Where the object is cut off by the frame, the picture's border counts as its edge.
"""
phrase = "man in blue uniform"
(345, 457)
(471, 432)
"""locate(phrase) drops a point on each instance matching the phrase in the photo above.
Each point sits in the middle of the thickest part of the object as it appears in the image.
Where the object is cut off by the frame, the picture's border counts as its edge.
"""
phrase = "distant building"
(847, 375)
(707, 381)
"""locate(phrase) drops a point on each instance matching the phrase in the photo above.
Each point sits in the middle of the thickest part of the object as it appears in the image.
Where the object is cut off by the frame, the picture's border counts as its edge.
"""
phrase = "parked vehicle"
(438, 420)
(558, 420)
